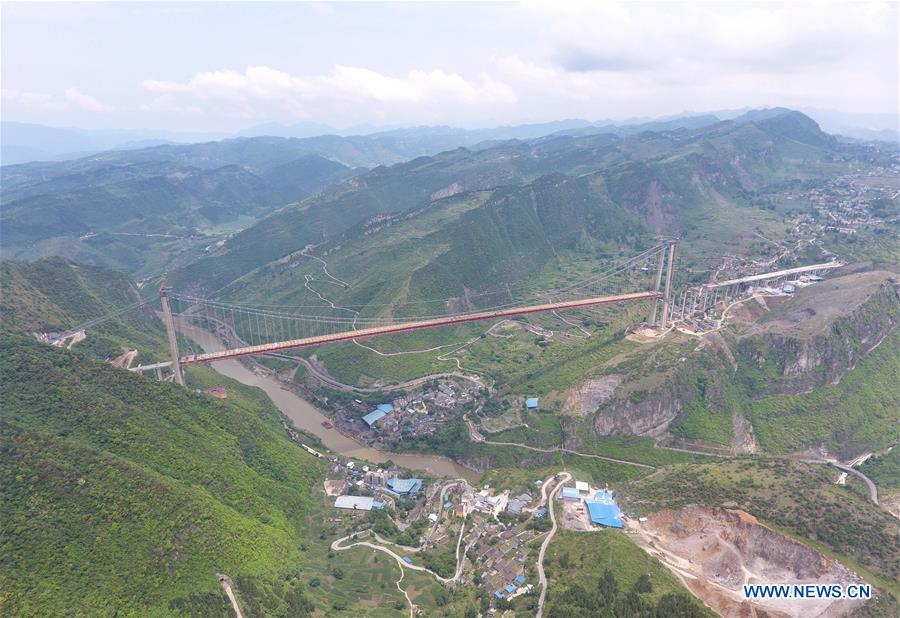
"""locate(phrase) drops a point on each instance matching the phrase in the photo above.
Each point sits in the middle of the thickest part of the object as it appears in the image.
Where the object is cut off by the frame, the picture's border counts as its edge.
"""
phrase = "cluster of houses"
(379, 481)
(516, 588)
(485, 501)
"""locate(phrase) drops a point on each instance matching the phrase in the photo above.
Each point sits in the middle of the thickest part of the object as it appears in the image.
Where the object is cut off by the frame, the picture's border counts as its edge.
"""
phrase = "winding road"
(336, 546)
(873, 489)
(477, 437)
(565, 477)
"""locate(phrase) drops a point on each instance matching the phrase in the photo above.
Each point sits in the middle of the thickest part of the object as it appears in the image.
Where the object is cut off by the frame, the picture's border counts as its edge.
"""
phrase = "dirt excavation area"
(588, 396)
(126, 359)
(715, 551)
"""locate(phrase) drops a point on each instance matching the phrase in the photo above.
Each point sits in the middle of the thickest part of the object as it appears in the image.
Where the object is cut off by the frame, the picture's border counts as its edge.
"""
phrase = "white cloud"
(774, 36)
(86, 101)
(345, 83)
(72, 97)
(651, 58)
(29, 99)
(464, 64)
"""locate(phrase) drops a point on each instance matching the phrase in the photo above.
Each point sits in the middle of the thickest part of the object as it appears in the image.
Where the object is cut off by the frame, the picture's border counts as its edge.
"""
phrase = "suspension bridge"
(248, 330)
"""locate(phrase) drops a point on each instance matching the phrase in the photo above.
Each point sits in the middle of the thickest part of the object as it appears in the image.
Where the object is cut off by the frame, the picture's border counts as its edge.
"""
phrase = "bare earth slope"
(716, 551)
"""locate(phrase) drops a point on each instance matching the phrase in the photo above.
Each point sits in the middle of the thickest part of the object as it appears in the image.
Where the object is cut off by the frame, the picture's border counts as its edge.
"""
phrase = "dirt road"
(336, 546)
(564, 478)
(227, 585)
(475, 436)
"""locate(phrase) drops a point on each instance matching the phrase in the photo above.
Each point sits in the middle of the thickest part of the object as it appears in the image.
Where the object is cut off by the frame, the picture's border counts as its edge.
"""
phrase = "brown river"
(308, 418)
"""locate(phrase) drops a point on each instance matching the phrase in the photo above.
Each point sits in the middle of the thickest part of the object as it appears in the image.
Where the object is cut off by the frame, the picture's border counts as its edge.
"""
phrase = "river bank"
(308, 418)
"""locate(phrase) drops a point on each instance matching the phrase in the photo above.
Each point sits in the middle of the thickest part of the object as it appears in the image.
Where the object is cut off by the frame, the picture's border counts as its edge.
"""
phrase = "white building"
(357, 503)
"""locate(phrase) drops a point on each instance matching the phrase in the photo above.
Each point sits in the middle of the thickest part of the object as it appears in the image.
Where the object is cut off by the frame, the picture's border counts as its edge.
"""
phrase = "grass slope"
(862, 409)
(576, 564)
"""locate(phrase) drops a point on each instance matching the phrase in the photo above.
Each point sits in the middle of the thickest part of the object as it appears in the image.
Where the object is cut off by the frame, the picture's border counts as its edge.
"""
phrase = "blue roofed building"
(499, 594)
(570, 493)
(407, 559)
(520, 579)
(531, 403)
(604, 496)
(604, 513)
(373, 417)
(385, 407)
(404, 488)
(510, 588)
(541, 512)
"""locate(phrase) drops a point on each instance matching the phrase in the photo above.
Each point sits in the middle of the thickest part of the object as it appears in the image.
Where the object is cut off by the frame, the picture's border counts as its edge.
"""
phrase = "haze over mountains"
(159, 208)
(23, 142)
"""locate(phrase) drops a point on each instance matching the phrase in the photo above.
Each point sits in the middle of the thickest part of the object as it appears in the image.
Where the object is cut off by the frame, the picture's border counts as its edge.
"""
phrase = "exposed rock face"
(590, 394)
(650, 416)
(744, 442)
(716, 551)
(813, 342)
(447, 191)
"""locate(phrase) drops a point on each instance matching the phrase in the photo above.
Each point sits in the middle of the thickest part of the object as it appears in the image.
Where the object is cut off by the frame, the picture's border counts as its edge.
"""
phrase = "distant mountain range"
(535, 197)
(24, 142)
(210, 212)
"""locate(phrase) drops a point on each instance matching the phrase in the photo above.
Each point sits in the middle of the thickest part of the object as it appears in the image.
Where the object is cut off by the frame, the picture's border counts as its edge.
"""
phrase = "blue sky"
(222, 67)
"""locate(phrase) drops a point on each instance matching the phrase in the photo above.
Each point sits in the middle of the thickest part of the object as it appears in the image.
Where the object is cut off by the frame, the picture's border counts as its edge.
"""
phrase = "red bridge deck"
(408, 326)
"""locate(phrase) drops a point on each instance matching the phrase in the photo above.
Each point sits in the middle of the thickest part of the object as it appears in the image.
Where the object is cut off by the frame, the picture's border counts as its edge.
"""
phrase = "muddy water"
(307, 417)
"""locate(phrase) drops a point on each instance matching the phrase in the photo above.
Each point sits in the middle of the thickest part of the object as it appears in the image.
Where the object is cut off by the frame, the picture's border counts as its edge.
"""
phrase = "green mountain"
(498, 217)
(56, 294)
(678, 182)
(467, 247)
(124, 496)
(139, 214)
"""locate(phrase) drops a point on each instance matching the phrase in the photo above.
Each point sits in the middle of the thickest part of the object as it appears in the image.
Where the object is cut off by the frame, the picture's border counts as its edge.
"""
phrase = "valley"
(441, 387)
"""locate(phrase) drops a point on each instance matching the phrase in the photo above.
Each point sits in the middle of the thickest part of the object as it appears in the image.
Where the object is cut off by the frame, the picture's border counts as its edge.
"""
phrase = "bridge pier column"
(659, 272)
(667, 295)
(170, 332)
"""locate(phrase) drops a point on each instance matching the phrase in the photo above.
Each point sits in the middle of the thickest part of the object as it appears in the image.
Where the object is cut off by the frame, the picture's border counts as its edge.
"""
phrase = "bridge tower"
(659, 272)
(667, 294)
(170, 331)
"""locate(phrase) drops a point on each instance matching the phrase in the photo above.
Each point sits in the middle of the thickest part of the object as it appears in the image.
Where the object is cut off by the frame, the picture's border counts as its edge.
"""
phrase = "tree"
(643, 585)
(608, 588)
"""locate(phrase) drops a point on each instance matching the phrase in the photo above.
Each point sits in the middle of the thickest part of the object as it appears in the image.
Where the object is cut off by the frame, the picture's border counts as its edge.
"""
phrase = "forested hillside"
(124, 496)
(56, 294)
(697, 183)
(142, 209)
